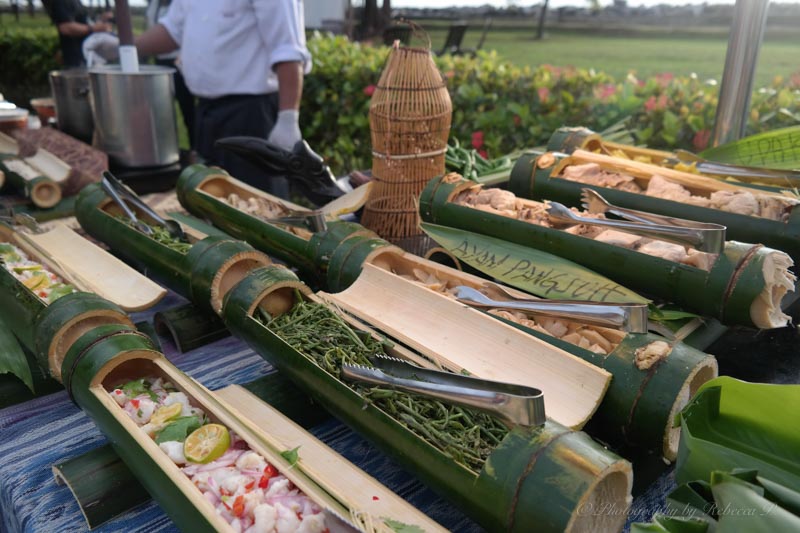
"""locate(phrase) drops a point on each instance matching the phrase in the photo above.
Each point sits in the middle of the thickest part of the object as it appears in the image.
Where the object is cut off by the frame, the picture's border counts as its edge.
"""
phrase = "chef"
(245, 60)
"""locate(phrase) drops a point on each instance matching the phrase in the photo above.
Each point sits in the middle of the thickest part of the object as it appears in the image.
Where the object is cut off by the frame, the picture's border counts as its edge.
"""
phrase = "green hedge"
(497, 107)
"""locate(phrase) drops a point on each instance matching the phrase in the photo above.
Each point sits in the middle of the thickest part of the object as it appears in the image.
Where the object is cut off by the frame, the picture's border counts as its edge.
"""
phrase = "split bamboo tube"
(537, 477)
(539, 179)
(745, 284)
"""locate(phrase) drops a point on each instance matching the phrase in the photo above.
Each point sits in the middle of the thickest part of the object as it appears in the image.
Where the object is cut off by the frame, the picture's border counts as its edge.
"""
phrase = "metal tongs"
(790, 177)
(701, 236)
(516, 405)
(311, 220)
(121, 194)
(21, 219)
(630, 317)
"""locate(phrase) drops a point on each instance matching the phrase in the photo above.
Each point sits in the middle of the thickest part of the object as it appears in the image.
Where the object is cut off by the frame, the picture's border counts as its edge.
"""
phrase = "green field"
(617, 55)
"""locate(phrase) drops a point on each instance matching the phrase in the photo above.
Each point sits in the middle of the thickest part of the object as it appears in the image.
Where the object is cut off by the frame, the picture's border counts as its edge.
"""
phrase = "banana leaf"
(540, 273)
(12, 358)
(773, 149)
(734, 424)
(671, 524)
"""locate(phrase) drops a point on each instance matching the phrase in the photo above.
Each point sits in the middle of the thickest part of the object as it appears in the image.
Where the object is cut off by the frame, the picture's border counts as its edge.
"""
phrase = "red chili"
(135, 403)
(250, 485)
(238, 506)
(270, 471)
(263, 482)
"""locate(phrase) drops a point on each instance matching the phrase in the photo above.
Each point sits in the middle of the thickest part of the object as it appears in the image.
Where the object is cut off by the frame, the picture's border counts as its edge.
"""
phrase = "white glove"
(286, 131)
(100, 48)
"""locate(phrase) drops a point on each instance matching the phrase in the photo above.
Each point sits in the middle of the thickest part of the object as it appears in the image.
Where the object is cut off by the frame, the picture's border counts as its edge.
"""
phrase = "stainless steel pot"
(134, 115)
(71, 95)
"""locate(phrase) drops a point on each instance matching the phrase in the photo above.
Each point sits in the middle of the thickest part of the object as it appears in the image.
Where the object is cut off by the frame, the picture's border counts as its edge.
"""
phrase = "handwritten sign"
(779, 149)
(540, 273)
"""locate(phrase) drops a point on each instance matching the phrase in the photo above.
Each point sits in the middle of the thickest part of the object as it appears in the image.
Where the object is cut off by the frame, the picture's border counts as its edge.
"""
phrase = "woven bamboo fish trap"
(409, 118)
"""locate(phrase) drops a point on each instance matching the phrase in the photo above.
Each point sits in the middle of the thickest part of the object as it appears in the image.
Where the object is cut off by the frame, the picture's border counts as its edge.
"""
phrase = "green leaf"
(742, 509)
(138, 387)
(60, 290)
(774, 149)
(540, 273)
(734, 424)
(12, 358)
(291, 455)
(178, 429)
(400, 527)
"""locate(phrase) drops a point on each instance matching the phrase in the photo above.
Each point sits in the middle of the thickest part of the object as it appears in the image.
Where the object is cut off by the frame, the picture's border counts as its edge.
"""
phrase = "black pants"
(184, 97)
(229, 116)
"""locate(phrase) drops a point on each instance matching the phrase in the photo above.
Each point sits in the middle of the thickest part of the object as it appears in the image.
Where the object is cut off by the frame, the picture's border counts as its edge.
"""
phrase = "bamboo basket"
(531, 178)
(746, 283)
(636, 414)
(410, 114)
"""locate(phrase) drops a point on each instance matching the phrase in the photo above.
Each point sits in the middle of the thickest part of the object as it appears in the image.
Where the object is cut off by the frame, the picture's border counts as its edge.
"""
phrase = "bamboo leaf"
(540, 273)
(742, 508)
(732, 424)
(400, 527)
(774, 149)
(12, 358)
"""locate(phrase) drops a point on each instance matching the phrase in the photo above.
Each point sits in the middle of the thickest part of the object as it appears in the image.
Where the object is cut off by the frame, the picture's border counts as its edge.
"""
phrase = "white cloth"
(155, 10)
(286, 131)
(230, 46)
(100, 48)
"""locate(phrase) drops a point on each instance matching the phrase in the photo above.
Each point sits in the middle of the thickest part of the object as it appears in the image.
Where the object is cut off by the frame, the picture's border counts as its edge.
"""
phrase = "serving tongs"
(516, 405)
(302, 166)
(701, 236)
(790, 177)
(631, 317)
(121, 194)
(21, 219)
(313, 221)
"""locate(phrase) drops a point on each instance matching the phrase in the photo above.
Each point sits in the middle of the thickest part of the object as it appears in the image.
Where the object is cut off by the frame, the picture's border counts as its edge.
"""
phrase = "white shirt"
(231, 46)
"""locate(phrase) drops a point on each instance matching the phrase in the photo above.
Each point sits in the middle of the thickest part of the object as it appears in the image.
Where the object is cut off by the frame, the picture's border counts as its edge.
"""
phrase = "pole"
(744, 43)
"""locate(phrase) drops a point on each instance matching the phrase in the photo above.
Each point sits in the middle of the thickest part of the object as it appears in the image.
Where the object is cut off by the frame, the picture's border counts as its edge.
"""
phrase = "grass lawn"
(680, 55)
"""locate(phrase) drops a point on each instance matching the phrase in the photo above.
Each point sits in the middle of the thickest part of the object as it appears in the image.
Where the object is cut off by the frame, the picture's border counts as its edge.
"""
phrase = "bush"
(497, 107)
(27, 55)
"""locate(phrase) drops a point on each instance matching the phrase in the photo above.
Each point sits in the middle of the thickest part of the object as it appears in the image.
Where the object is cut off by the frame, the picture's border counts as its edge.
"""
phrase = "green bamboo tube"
(40, 190)
(529, 181)
(735, 291)
(19, 306)
(204, 273)
(198, 188)
(539, 477)
(189, 326)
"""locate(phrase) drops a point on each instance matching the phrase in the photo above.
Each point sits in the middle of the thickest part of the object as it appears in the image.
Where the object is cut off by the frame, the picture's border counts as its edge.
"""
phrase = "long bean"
(467, 436)
(162, 236)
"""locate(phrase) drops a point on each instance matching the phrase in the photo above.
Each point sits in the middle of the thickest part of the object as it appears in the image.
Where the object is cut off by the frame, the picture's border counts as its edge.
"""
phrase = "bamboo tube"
(538, 476)
(29, 182)
(206, 272)
(189, 327)
(539, 181)
(745, 285)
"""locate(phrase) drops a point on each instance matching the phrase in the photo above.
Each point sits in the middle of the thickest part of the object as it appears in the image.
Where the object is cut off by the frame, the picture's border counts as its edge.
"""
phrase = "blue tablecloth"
(40, 433)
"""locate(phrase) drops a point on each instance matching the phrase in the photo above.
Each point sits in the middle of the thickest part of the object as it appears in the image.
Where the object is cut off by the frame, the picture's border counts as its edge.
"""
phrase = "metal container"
(134, 115)
(71, 94)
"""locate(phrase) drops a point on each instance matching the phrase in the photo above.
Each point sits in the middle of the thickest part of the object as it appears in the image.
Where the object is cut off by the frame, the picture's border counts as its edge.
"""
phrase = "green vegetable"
(8, 253)
(62, 289)
(162, 236)
(21, 269)
(138, 387)
(467, 436)
(291, 455)
(400, 527)
(178, 429)
(471, 164)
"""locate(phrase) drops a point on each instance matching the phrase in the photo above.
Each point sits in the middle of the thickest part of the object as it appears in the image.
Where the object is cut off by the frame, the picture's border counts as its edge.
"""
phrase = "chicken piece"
(615, 180)
(586, 173)
(420, 274)
(312, 523)
(775, 208)
(646, 356)
(701, 260)
(596, 348)
(556, 328)
(666, 190)
(288, 521)
(251, 460)
(596, 339)
(740, 202)
(265, 518)
(631, 186)
(503, 200)
(665, 250)
(618, 238)
(572, 338)
(174, 451)
(502, 313)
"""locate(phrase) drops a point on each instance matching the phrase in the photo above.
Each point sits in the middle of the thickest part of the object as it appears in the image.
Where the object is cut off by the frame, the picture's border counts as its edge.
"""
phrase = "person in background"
(245, 60)
(71, 19)
(155, 10)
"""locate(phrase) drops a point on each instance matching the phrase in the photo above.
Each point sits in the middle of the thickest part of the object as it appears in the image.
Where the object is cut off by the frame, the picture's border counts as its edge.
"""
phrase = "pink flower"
(650, 104)
(483, 153)
(544, 93)
(369, 89)
(664, 78)
(656, 105)
(605, 91)
(477, 139)
(701, 138)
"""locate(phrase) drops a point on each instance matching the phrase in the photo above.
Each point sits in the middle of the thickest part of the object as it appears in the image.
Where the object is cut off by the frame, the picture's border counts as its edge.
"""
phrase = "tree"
(375, 19)
(542, 15)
